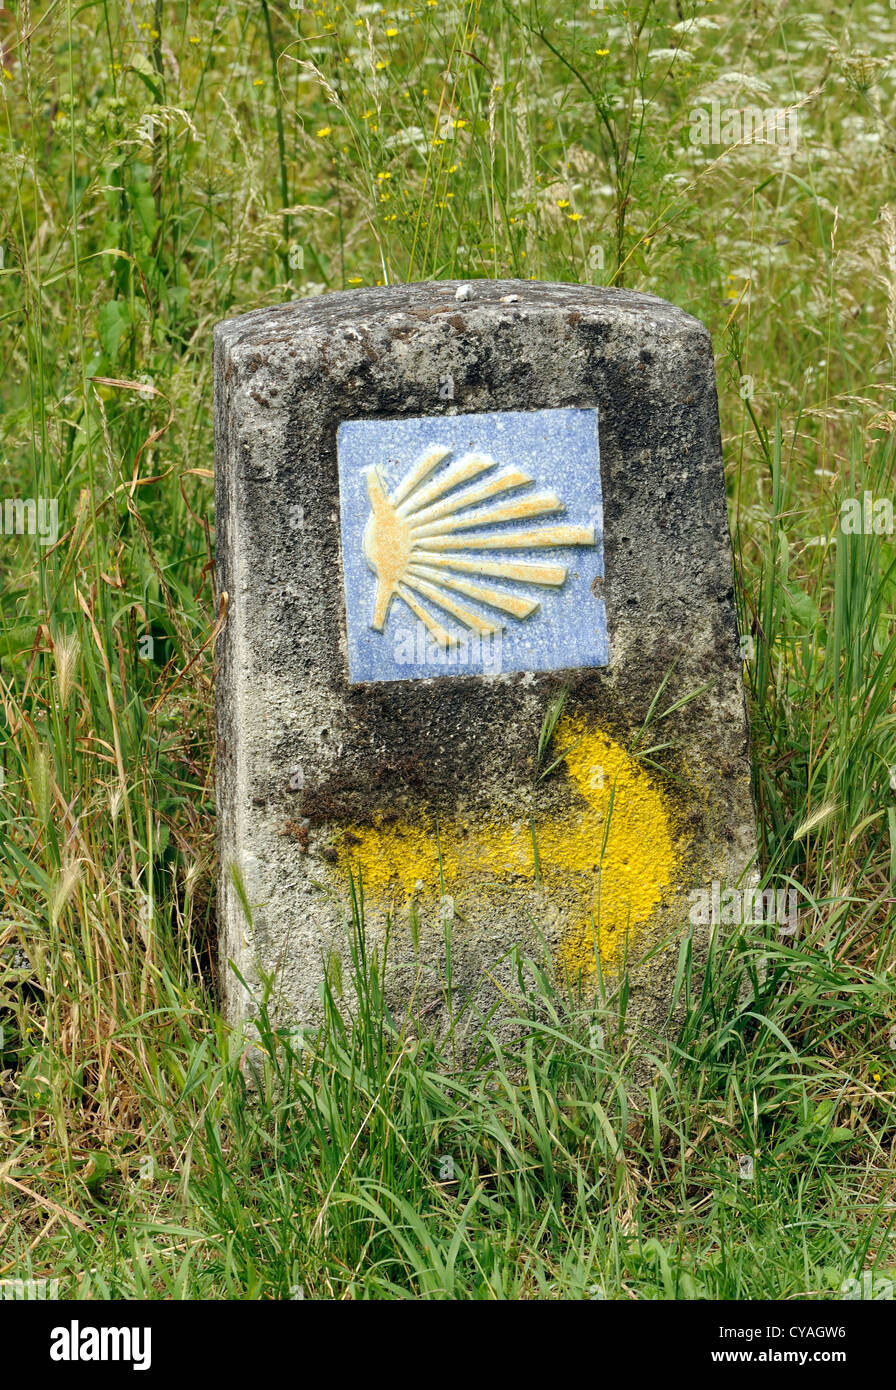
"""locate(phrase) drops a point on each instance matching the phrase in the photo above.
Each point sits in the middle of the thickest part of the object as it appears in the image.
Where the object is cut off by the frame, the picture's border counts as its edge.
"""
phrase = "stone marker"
(474, 538)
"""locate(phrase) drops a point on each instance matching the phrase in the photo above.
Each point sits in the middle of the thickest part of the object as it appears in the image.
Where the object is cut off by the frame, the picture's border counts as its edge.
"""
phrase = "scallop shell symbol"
(418, 540)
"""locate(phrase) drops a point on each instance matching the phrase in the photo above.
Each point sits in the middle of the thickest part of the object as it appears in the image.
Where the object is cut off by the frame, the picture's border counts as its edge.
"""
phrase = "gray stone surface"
(432, 784)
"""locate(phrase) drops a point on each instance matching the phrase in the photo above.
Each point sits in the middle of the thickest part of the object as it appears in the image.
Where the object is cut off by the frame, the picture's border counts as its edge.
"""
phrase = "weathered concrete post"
(438, 507)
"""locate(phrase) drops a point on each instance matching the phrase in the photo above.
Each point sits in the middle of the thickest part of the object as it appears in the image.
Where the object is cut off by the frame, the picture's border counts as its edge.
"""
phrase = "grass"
(167, 166)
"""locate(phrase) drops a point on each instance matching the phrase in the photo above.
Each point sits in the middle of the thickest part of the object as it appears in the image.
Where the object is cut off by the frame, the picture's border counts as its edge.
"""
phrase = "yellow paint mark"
(608, 861)
(624, 837)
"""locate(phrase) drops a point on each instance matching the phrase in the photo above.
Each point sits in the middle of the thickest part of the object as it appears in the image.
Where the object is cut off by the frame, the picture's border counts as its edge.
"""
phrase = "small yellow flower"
(153, 33)
(574, 216)
(458, 125)
(324, 130)
(355, 280)
(194, 38)
(877, 1076)
(563, 202)
(383, 63)
(367, 115)
(601, 52)
(452, 169)
(390, 33)
(382, 175)
(259, 82)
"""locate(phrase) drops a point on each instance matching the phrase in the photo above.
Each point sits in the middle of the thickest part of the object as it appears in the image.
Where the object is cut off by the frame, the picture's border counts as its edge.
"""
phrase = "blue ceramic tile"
(471, 544)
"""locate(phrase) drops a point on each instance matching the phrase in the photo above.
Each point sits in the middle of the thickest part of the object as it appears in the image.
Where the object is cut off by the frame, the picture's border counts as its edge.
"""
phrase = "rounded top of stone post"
(405, 306)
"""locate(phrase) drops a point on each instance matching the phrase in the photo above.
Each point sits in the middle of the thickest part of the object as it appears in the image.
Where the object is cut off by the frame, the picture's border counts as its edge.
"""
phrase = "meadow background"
(163, 166)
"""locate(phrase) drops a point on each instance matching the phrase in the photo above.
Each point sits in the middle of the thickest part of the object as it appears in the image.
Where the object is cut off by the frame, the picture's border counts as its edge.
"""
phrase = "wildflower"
(382, 175)
(324, 130)
(367, 115)
(876, 1076)
(383, 63)
(452, 169)
(458, 125)
(563, 202)
(355, 280)
(574, 216)
(390, 33)
(259, 82)
(601, 52)
(194, 38)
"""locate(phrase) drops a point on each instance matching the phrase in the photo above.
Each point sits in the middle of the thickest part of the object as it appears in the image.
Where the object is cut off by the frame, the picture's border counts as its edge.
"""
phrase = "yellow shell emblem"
(418, 540)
